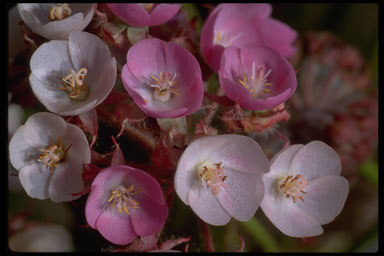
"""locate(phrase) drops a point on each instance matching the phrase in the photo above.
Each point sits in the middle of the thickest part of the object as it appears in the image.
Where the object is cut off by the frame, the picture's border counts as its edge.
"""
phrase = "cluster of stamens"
(74, 84)
(223, 39)
(59, 12)
(257, 82)
(122, 200)
(163, 86)
(53, 154)
(212, 175)
(293, 186)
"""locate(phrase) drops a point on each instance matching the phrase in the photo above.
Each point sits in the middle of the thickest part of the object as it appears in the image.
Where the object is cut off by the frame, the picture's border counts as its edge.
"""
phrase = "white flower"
(49, 155)
(304, 189)
(56, 21)
(220, 177)
(42, 238)
(74, 76)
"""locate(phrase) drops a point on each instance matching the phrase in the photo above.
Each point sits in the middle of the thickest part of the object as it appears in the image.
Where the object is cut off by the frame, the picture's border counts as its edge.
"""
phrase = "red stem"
(207, 237)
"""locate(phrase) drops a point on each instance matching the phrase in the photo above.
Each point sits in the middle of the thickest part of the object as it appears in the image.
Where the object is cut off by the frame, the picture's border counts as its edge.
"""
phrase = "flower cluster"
(144, 108)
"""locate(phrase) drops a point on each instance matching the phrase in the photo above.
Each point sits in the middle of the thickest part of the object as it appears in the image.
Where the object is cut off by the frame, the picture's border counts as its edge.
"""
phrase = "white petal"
(20, 152)
(314, 160)
(325, 198)
(35, 179)
(281, 162)
(239, 153)
(287, 217)
(206, 205)
(80, 147)
(51, 62)
(66, 180)
(243, 196)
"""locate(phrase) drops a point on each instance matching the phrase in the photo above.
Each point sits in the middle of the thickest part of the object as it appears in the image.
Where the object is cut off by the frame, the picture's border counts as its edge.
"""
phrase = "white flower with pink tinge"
(221, 177)
(304, 189)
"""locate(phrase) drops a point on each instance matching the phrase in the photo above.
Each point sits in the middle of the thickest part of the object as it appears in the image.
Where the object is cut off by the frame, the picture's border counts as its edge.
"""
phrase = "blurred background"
(350, 30)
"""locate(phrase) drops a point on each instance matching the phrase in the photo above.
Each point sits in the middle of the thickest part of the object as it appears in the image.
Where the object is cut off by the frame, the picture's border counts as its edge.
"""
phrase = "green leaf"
(370, 172)
(192, 11)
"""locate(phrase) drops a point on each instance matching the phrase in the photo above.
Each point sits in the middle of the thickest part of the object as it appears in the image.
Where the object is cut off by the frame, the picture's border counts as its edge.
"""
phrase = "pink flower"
(144, 15)
(163, 79)
(304, 189)
(220, 177)
(125, 202)
(258, 78)
(244, 25)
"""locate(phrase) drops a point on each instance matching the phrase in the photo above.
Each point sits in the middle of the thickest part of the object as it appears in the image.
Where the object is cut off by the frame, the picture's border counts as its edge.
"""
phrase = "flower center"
(212, 175)
(121, 198)
(222, 39)
(59, 12)
(74, 84)
(257, 82)
(53, 154)
(163, 86)
(148, 7)
(293, 186)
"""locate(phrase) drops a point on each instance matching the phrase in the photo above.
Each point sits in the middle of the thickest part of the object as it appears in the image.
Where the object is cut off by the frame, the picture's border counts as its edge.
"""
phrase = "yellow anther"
(53, 154)
(74, 84)
(59, 12)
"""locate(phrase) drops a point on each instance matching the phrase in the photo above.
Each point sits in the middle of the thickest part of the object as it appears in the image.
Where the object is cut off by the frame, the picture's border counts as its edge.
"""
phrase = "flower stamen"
(163, 86)
(53, 154)
(212, 175)
(294, 186)
(121, 198)
(59, 12)
(257, 82)
(74, 84)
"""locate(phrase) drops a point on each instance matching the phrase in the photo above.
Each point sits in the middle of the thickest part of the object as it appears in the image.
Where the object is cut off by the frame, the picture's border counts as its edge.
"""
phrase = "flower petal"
(132, 14)
(325, 198)
(162, 13)
(281, 162)
(51, 62)
(80, 147)
(94, 206)
(243, 196)
(66, 180)
(115, 227)
(149, 217)
(316, 159)
(285, 215)
(35, 179)
(206, 205)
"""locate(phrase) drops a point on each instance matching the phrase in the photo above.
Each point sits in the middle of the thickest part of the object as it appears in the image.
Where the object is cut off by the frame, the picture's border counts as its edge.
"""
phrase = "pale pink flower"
(164, 79)
(72, 77)
(125, 202)
(304, 189)
(49, 155)
(257, 78)
(221, 177)
(244, 25)
(144, 15)
(56, 21)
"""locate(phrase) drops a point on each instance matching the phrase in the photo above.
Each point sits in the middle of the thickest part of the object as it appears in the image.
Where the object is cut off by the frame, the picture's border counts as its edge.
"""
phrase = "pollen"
(59, 12)
(121, 198)
(163, 86)
(53, 154)
(256, 82)
(74, 84)
(293, 186)
(213, 175)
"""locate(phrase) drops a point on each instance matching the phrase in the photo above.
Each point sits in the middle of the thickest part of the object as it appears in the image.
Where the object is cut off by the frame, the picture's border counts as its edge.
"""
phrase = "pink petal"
(116, 227)
(94, 206)
(162, 13)
(35, 180)
(325, 198)
(146, 58)
(232, 64)
(206, 205)
(316, 159)
(132, 14)
(66, 180)
(149, 217)
(281, 162)
(243, 196)
(89, 119)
